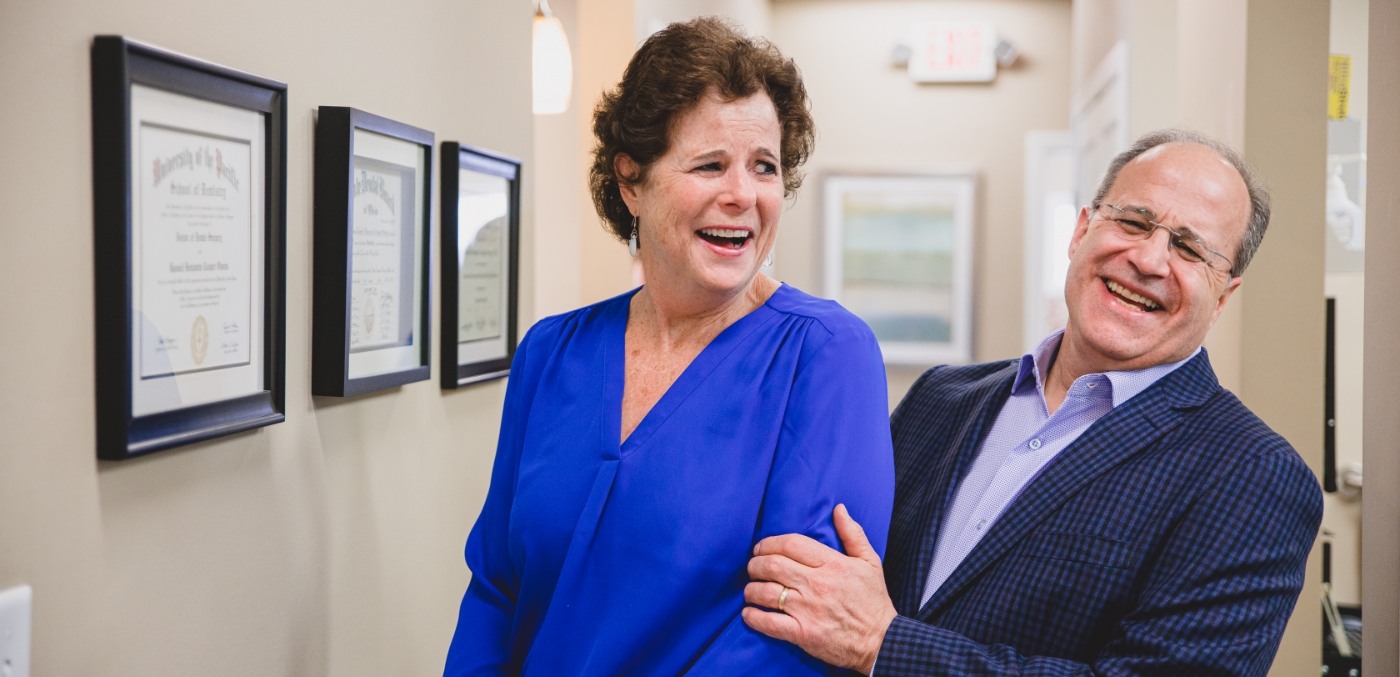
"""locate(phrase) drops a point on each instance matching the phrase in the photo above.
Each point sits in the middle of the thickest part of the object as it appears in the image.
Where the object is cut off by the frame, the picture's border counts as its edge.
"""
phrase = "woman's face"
(708, 210)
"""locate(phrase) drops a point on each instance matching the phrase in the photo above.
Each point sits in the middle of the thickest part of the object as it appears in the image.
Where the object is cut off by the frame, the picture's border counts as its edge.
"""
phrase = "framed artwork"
(898, 253)
(370, 312)
(189, 208)
(480, 260)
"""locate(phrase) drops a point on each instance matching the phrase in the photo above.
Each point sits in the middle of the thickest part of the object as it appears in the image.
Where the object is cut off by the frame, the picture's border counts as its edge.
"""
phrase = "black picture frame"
(370, 314)
(480, 278)
(161, 382)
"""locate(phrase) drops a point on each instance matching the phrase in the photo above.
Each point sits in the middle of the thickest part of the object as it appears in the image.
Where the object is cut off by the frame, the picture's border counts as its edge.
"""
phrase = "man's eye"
(1135, 225)
(1188, 249)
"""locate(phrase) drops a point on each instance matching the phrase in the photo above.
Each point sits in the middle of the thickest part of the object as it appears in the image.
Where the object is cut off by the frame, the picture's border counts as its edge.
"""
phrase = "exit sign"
(953, 51)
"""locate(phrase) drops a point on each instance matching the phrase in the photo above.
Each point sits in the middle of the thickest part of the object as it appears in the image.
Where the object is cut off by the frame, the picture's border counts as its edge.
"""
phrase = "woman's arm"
(481, 644)
(834, 447)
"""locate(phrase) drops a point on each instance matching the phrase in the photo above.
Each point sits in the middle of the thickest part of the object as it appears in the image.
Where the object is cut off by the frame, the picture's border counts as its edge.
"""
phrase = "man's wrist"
(868, 666)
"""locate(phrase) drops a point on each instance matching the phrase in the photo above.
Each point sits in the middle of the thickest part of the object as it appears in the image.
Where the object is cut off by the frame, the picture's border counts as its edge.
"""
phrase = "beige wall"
(1283, 321)
(872, 117)
(753, 15)
(606, 43)
(558, 152)
(326, 545)
(579, 260)
(1381, 500)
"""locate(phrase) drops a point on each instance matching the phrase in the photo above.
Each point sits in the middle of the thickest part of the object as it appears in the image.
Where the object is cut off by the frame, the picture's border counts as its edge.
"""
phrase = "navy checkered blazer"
(1169, 539)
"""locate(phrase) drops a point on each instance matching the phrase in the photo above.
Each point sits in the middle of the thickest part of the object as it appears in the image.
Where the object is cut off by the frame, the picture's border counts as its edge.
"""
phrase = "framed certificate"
(189, 191)
(370, 295)
(480, 257)
(898, 254)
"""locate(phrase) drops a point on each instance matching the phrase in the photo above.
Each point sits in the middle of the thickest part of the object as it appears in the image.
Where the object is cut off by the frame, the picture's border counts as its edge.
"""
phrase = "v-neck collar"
(709, 358)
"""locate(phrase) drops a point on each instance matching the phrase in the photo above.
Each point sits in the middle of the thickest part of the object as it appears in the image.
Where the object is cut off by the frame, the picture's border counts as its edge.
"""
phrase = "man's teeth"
(1135, 298)
(725, 232)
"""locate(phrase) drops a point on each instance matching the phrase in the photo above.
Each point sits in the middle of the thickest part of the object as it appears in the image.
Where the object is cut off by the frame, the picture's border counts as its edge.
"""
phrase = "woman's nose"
(739, 189)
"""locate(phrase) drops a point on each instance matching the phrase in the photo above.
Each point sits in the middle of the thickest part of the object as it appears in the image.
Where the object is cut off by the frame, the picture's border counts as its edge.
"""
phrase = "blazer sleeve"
(481, 643)
(1214, 603)
(834, 447)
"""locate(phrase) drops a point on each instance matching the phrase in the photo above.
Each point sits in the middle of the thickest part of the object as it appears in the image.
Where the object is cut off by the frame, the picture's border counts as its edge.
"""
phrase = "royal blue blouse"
(599, 557)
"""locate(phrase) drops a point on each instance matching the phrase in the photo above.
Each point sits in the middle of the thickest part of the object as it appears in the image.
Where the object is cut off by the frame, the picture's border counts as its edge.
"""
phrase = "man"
(1100, 506)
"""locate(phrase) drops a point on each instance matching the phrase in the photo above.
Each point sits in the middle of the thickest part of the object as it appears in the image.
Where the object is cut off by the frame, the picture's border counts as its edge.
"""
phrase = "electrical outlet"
(14, 631)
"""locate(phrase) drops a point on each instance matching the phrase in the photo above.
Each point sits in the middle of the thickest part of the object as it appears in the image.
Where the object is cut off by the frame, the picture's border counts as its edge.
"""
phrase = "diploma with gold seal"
(195, 251)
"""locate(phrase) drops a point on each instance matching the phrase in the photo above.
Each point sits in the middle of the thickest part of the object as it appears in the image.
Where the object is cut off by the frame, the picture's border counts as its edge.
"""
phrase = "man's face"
(1135, 302)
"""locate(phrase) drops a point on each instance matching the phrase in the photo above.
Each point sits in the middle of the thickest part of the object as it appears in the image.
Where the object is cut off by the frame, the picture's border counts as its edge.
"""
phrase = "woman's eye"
(709, 167)
(767, 168)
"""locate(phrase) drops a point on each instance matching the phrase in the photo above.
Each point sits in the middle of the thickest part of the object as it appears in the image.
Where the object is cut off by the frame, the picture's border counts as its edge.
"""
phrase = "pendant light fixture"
(553, 67)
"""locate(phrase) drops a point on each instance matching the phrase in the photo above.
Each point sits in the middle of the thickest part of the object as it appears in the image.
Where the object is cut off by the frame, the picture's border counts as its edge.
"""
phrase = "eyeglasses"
(1135, 223)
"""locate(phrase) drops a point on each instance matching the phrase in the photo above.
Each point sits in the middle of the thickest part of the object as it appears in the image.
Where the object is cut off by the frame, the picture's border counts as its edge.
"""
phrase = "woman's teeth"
(733, 238)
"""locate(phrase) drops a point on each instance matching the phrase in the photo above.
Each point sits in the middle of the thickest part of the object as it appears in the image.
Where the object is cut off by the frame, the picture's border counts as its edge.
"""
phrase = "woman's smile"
(732, 238)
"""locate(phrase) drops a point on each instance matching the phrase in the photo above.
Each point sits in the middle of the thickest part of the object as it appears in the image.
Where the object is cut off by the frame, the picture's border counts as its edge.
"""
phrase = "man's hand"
(836, 607)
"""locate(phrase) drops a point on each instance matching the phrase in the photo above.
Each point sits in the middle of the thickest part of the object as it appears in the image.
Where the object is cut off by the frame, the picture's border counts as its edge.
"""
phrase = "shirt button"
(1035, 443)
(981, 523)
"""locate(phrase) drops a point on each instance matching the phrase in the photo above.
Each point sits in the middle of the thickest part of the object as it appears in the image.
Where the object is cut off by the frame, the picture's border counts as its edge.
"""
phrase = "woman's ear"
(625, 169)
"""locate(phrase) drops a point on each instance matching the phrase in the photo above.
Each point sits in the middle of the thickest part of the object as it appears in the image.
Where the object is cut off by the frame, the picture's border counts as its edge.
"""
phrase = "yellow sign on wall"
(1338, 86)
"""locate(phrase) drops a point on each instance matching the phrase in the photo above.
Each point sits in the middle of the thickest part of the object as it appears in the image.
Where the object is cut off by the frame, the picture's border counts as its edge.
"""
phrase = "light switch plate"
(15, 606)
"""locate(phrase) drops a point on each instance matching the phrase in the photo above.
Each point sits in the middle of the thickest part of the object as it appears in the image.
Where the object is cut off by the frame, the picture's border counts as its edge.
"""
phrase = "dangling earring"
(768, 260)
(632, 241)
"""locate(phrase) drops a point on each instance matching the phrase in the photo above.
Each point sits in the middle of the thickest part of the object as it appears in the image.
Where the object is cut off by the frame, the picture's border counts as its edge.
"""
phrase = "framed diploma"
(189, 194)
(480, 253)
(369, 325)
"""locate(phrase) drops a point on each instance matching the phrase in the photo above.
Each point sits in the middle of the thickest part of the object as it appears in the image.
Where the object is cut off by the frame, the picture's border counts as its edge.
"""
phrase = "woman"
(649, 441)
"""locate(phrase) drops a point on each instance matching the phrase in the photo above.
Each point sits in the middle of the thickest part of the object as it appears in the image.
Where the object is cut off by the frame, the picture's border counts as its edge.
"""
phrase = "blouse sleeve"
(834, 447)
(481, 643)
(835, 444)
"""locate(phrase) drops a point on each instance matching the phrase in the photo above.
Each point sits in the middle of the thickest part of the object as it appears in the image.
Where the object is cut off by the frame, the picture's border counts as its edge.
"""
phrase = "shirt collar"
(1123, 384)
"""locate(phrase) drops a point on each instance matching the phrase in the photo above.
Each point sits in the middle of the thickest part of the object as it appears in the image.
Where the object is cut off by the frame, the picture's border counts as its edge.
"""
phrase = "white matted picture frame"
(897, 252)
(189, 166)
(480, 264)
(370, 323)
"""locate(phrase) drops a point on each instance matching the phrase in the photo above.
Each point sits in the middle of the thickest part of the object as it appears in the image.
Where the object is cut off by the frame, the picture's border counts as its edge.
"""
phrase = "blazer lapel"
(972, 418)
(1119, 435)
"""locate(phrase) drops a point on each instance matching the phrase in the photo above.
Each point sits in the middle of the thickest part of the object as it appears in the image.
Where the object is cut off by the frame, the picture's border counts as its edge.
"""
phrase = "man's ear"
(625, 169)
(1080, 228)
(1225, 294)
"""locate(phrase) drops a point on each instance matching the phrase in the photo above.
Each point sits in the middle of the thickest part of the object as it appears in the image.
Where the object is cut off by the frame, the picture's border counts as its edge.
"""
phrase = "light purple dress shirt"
(1023, 439)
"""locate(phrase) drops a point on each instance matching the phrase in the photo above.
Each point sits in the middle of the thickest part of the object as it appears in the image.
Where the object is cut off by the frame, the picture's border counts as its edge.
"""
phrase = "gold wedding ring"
(782, 598)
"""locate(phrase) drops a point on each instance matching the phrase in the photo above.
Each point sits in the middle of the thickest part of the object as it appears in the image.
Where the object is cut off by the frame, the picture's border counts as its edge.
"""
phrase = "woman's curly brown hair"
(669, 75)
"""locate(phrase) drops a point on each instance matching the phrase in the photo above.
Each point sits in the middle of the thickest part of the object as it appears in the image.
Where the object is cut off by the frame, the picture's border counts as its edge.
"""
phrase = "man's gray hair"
(1258, 193)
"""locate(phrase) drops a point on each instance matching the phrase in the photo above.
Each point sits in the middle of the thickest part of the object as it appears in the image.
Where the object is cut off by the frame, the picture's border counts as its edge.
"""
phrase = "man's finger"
(852, 535)
(796, 547)
(771, 623)
(768, 595)
(778, 569)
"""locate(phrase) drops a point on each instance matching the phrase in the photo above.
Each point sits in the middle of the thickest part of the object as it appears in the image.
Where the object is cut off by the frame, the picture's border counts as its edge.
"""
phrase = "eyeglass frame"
(1174, 236)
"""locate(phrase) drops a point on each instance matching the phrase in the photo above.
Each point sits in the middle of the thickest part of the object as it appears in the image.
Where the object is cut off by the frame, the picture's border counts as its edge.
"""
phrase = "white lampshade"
(553, 67)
